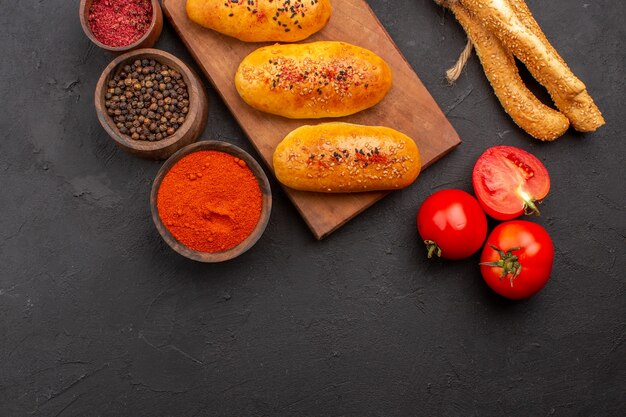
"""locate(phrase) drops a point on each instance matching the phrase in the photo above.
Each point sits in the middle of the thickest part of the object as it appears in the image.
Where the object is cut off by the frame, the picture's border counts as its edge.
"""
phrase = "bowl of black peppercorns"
(151, 103)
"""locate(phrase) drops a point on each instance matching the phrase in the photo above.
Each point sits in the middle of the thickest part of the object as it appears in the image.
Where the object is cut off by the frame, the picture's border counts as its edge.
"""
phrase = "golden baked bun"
(261, 20)
(342, 158)
(313, 80)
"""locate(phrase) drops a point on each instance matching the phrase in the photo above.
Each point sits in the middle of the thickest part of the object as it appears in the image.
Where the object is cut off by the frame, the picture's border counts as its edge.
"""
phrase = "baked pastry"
(313, 80)
(341, 157)
(513, 24)
(261, 20)
(526, 110)
(581, 110)
(503, 29)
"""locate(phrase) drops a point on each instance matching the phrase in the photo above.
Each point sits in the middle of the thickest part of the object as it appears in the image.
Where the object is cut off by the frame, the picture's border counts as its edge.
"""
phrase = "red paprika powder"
(210, 201)
(119, 22)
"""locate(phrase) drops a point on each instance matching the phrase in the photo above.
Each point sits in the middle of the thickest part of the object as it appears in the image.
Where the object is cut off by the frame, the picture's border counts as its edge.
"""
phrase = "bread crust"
(341, 158)
(261, 20)
(544, 63)
(526, 110)
(313, 80)
(519, 33)
(581, 110)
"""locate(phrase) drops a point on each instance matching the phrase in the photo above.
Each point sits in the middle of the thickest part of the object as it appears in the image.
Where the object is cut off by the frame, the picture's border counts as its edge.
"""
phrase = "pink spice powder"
(119, 22)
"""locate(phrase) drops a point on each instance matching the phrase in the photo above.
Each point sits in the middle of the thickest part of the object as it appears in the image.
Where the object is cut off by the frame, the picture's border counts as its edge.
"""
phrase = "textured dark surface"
(98, 317)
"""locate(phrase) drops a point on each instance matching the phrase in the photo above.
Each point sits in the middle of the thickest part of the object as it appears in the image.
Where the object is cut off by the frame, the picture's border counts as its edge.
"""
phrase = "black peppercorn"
(147, 100)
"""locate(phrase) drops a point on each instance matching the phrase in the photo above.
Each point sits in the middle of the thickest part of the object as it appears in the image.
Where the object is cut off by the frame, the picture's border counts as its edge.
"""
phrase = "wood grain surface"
(408, 107)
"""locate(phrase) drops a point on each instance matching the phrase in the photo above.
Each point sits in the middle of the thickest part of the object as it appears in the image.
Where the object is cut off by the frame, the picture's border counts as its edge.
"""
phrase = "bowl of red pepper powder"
(122, 25)
(211, 201)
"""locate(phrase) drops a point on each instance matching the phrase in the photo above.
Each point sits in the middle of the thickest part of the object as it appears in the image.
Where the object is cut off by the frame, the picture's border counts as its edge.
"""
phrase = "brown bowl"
(266, 208)
(146, 41)
(187, 133)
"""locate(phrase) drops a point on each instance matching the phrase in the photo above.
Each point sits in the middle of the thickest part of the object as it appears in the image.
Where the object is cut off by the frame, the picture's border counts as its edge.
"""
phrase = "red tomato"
(452, 224)
(509, 181)
(516, 261)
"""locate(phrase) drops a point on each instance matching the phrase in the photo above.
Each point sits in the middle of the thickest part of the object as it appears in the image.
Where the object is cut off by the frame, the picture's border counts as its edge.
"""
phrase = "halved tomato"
(509, 181)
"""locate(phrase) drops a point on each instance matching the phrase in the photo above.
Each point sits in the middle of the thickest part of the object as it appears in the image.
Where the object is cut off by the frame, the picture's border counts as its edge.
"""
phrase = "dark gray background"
(98, 317)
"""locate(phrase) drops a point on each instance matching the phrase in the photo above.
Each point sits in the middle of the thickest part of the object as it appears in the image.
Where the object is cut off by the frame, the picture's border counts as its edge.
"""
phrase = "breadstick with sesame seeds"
(518, 34)
(526, 110)
(581, 110)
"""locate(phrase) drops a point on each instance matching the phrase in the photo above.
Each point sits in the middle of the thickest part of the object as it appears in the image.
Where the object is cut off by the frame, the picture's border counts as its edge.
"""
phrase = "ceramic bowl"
(187, 133)
(266, 208)
(146, 41)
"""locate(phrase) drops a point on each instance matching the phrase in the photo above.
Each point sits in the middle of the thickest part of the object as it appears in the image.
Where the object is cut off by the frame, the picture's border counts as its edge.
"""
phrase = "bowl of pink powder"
(121, 25)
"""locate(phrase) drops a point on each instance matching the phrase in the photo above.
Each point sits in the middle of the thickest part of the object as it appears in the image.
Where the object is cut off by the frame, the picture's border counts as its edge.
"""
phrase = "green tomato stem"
(508, 262)
(432, 249)
(530, 208)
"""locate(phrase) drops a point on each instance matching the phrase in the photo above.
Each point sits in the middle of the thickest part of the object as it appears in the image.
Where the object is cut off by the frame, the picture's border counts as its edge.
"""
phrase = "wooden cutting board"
(408, 107)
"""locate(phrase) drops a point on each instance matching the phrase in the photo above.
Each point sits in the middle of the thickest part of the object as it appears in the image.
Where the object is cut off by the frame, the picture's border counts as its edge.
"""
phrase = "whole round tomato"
(452, 224)
(509, 181)
(516, 261)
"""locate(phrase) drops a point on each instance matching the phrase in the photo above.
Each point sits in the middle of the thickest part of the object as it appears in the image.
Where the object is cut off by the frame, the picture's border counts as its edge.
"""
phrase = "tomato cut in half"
(509, 182)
